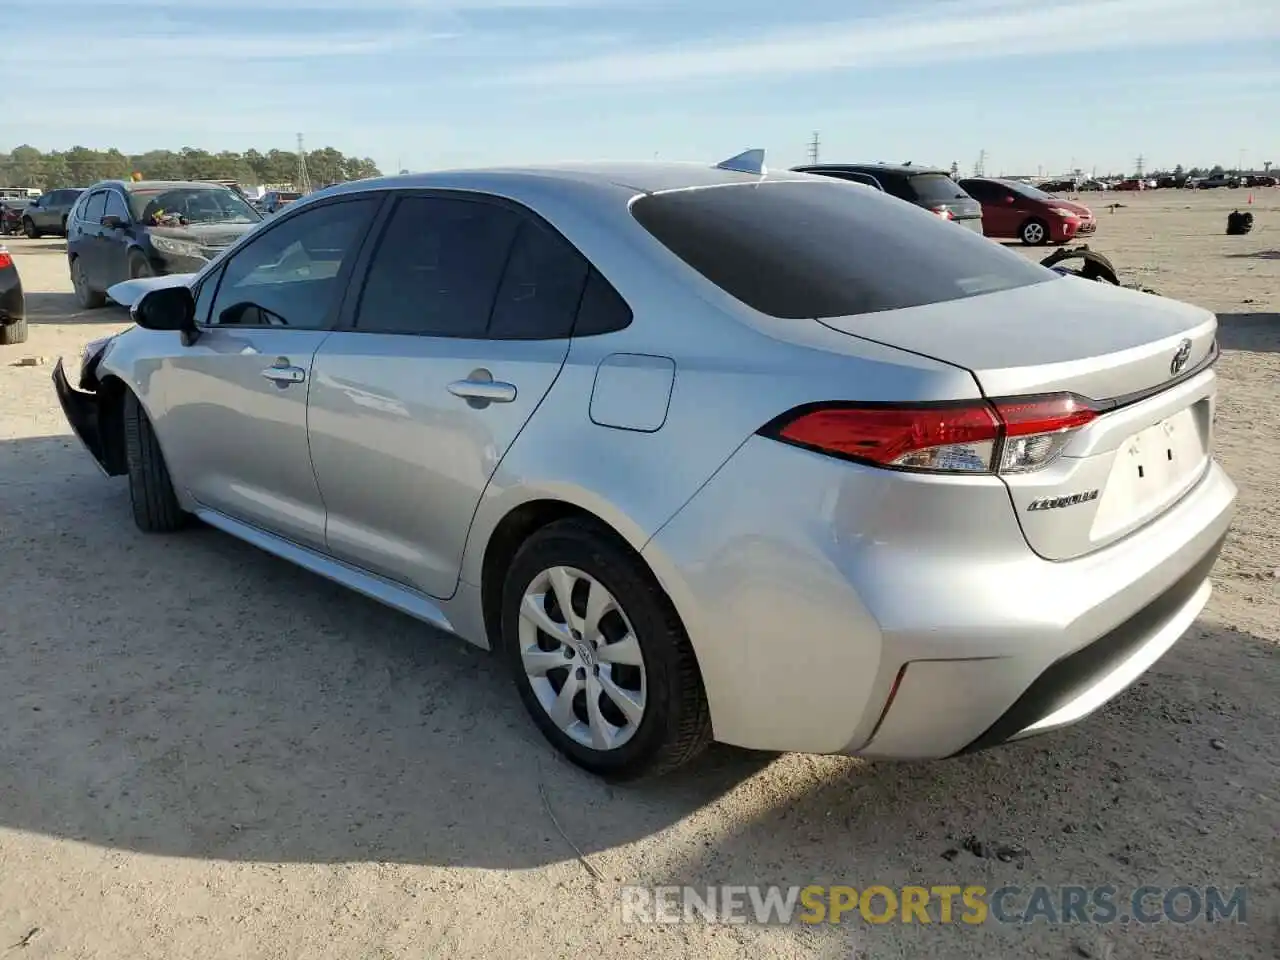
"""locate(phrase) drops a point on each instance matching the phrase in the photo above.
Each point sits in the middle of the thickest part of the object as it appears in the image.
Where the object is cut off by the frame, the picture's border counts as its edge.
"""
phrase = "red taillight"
(1002, 436)
(942, 211)
(6, 261)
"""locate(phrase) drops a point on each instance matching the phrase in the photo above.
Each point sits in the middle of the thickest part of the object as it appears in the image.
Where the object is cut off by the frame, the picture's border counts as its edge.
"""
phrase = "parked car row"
(120, 230)
(997, 208)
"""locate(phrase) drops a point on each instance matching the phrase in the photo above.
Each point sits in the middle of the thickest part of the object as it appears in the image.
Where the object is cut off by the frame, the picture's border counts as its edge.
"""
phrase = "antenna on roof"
(749, 161)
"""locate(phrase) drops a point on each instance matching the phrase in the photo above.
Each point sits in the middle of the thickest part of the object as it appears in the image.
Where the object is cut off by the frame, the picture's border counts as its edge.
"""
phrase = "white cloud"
(926, 34)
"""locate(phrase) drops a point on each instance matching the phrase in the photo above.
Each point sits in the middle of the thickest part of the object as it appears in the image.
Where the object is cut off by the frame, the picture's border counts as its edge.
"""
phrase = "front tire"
(86, 296)
(1034, 233)
(29, 228)
(612, 683)
(140, 266)
(155, 507)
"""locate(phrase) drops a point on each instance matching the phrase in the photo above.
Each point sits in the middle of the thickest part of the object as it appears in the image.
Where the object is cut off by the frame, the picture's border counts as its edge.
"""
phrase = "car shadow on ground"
(1256, 255)
(62, 308)
(1253, 332)
(187, 695)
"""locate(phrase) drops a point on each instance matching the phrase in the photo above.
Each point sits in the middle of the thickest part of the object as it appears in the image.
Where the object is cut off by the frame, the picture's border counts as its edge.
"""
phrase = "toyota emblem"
(1180, 358)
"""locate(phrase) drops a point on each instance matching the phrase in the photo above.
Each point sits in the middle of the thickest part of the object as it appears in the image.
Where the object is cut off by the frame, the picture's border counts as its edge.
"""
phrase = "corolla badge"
(1180, 358)
(1056, 503)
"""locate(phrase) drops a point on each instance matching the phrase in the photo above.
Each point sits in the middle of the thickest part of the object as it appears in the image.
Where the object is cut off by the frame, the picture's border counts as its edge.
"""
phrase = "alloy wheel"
(582, 658)
(1033, 233)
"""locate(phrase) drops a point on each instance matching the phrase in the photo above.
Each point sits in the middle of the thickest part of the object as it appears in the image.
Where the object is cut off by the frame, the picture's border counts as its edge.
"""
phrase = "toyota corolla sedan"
(705, 453)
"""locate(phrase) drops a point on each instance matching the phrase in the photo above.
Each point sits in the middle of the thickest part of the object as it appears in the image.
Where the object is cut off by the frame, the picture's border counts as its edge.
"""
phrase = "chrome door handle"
(283, 373)
(480, 386)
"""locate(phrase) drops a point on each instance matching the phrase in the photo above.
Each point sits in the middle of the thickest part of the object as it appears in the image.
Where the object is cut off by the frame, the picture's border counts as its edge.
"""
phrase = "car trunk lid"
(1134, 355)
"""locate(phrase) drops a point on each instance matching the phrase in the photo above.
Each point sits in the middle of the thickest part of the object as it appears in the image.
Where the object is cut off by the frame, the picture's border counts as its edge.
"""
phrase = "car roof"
(158, 185)
(904, 169)
(629, 177)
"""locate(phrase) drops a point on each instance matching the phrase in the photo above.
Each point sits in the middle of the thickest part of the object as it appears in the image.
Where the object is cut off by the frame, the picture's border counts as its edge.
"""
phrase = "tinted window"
(116, 206)
(981, 191)
(935, 188)
(850, 175)
(541, 289)
(602, 309)
(290, 275)
(95, 209)
(813, 249)
(1026, 190)
(437, 268)
(204, 296)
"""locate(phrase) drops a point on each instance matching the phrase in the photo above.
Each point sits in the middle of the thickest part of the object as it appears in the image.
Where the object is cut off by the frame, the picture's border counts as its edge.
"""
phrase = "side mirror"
(1008, 198)
(168, 308)
(112, 222)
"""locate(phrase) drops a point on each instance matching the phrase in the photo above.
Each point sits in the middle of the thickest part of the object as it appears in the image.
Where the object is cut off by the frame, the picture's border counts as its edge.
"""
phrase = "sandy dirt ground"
(205, 752)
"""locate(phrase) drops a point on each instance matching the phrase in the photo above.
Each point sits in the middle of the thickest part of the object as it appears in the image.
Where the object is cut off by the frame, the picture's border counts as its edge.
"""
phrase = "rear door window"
(981, 191)
(541, 289)
(793, 249)
(935, 188)
(96, 208)
(437, 268)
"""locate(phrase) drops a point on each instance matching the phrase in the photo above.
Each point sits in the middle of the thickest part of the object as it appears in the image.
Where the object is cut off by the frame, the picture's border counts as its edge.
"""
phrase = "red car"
(1018, 211)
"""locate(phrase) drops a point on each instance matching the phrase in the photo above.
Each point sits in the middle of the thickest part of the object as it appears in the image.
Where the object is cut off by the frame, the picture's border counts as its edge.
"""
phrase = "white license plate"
(1152, 469)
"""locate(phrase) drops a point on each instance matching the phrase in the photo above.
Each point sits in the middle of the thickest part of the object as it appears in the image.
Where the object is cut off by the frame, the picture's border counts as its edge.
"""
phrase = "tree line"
(25, 166)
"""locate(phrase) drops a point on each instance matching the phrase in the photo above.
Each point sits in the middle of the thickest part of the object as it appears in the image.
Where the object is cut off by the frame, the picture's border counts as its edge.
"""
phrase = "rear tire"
(86, 296)
(11, 333)
(155, 507)
(29, 228)
(653, 673)
(1034, 233)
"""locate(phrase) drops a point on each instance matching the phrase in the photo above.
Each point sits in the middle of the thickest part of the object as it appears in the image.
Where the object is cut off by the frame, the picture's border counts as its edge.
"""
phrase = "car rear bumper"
(82, 412)
(841, 609)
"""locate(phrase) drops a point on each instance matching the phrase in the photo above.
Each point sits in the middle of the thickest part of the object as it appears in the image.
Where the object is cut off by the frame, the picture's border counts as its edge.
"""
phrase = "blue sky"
(436, 83)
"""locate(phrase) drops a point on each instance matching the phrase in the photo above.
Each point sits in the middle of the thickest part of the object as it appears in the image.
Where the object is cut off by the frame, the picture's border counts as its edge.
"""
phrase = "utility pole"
(980, 167)
(814, 146)
(1139, 165)
(304, 178)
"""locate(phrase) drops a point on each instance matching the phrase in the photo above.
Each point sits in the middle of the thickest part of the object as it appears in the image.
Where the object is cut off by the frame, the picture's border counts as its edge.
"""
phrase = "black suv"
(48, 212)
(924, 186)
(121, 230)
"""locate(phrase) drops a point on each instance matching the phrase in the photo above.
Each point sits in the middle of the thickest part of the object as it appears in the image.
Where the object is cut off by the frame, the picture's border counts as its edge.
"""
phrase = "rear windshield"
(823, 248)
(936, 188)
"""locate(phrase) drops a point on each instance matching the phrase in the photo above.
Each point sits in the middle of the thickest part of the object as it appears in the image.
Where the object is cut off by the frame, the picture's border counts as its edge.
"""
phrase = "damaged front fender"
(93, 409)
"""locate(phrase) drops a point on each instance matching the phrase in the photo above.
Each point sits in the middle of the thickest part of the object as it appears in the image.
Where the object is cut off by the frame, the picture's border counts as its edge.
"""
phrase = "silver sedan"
(702, 452)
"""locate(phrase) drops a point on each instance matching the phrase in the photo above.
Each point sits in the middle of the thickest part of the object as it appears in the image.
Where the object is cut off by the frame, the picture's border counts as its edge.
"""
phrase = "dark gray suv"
(48, 212)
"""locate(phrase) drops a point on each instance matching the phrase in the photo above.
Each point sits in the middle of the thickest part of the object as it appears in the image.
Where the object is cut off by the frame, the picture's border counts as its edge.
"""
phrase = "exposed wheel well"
(510, 534)
(111, 391)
